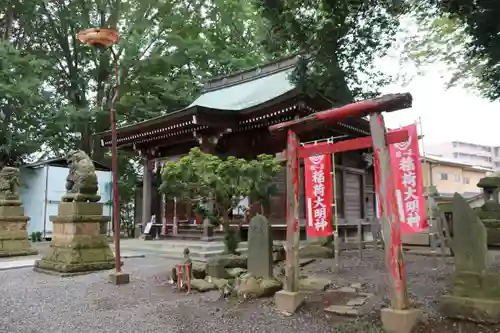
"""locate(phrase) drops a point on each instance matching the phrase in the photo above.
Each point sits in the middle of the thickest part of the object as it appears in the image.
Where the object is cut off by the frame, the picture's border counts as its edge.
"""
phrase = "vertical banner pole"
(335, 218)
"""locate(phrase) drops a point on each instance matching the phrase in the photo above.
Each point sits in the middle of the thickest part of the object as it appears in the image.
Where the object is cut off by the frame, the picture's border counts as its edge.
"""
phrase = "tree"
(200, 178)
(262, 173)
(22, 104)
(342, 38)
(463, 36)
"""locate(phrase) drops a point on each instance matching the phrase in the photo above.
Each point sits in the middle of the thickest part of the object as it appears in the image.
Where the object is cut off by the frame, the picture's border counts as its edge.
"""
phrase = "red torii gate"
(289, 299)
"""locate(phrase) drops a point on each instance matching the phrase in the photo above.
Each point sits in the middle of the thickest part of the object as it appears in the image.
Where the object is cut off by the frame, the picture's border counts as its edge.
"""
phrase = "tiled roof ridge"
(251, 74)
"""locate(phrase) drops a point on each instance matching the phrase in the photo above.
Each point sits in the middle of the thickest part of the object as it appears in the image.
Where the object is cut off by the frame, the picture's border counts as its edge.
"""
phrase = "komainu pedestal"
(77, 244)
(13, 224)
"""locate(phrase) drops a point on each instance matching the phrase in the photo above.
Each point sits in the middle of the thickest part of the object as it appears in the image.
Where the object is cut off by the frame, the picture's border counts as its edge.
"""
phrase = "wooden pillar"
(175, 220)
(289, 299)
(146, 191)
(389, 216)
(292, 215)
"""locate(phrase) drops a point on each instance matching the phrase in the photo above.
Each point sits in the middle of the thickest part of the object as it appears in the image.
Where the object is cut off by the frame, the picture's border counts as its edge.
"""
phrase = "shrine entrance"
(289, 298)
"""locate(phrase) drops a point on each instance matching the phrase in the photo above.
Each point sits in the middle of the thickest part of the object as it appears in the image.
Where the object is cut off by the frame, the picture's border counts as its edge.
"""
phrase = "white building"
(466, 152)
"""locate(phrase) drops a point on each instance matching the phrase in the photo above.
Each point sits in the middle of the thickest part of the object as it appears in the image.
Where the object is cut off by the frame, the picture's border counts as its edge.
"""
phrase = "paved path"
(29, 261)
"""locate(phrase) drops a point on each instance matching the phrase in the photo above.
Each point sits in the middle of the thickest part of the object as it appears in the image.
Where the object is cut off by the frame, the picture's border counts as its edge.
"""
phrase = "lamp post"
(102, 38)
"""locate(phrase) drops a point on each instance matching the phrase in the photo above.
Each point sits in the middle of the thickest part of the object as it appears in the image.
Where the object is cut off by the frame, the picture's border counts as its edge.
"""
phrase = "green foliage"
(262, 172)
(462, 36)
(231, 240)
(36, 236)
(22, 104)
(198, 178)
(342, 37)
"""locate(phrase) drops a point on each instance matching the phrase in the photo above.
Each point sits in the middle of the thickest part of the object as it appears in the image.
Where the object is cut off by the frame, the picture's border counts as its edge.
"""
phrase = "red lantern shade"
(99, 37)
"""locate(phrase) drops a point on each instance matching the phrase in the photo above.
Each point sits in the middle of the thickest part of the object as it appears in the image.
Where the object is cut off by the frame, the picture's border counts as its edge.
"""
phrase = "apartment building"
(450, 176)
(466, 152)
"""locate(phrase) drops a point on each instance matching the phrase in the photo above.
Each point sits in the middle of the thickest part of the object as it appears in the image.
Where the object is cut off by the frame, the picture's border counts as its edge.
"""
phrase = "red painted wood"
(348, 145)
(387, 103)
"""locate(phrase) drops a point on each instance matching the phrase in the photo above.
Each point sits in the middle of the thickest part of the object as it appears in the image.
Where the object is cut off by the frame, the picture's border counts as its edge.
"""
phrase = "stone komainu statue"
(9, 183)
(81, 183)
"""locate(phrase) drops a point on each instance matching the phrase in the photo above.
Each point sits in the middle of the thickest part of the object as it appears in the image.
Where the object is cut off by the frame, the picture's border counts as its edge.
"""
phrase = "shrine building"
(231, 118)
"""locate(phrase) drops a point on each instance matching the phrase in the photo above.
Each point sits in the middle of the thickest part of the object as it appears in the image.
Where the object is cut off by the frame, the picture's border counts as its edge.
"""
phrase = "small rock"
(219, 283)
(247, 286)
(314, 283)
(202, 285)
(199, 270)
(236, 272)
(356, 285)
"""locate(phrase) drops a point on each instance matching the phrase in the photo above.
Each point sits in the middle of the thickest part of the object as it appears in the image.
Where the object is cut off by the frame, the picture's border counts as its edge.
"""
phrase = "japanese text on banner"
(318, 188)
(407, 172)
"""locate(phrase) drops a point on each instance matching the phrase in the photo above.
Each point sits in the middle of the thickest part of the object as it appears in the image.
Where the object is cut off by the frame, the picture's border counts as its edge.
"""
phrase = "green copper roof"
(247, 94)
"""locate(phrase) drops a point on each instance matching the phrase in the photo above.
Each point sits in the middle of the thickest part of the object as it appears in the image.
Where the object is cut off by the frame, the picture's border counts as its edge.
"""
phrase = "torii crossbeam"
(289, 299)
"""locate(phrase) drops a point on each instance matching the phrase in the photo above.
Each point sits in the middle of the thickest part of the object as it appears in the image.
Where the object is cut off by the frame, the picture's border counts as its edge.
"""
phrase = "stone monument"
(77, 243)
(13, 224)
(475, 293)
(489, 212)
(260, 247)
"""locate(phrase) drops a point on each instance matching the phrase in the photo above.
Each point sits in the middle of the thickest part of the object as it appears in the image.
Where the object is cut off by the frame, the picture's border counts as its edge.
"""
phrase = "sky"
(446, 114)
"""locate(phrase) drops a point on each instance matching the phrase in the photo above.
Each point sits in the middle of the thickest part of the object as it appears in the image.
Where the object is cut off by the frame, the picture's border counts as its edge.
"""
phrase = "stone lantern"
(489, 212)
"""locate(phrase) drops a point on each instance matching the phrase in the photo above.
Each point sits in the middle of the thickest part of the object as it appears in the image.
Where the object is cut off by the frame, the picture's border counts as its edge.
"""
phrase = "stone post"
(77, 244)
(13, 224)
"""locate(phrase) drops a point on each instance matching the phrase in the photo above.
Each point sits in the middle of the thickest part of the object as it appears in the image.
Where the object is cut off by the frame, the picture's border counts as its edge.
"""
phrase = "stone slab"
(471, 309)
(347, 290)
(260, 247)
(80, 208)
(342, 310)
(400, 321)
(119, 278)
(288, 301)
(359, 301)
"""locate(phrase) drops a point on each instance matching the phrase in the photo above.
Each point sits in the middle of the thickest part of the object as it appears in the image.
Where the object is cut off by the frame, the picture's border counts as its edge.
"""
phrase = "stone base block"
(288, 301)
(119, 278)
(70, 260)
(11, 211)
(418, 238)
(16, 247)
(80, 208)
(400, 321)
(471, 309)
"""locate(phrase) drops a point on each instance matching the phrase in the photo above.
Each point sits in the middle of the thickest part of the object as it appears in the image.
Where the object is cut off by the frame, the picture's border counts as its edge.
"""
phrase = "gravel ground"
(31, 302)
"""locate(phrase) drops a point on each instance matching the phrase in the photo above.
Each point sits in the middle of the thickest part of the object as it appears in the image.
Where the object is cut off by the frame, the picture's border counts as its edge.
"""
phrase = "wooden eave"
(173, 124)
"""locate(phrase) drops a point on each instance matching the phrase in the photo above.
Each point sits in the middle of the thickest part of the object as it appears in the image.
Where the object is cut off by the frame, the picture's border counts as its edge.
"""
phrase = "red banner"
(318, 193)
(408, 182)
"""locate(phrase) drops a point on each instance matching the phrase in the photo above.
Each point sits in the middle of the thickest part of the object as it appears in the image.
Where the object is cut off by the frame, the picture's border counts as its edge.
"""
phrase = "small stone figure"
(81, 183)
(9, 183)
